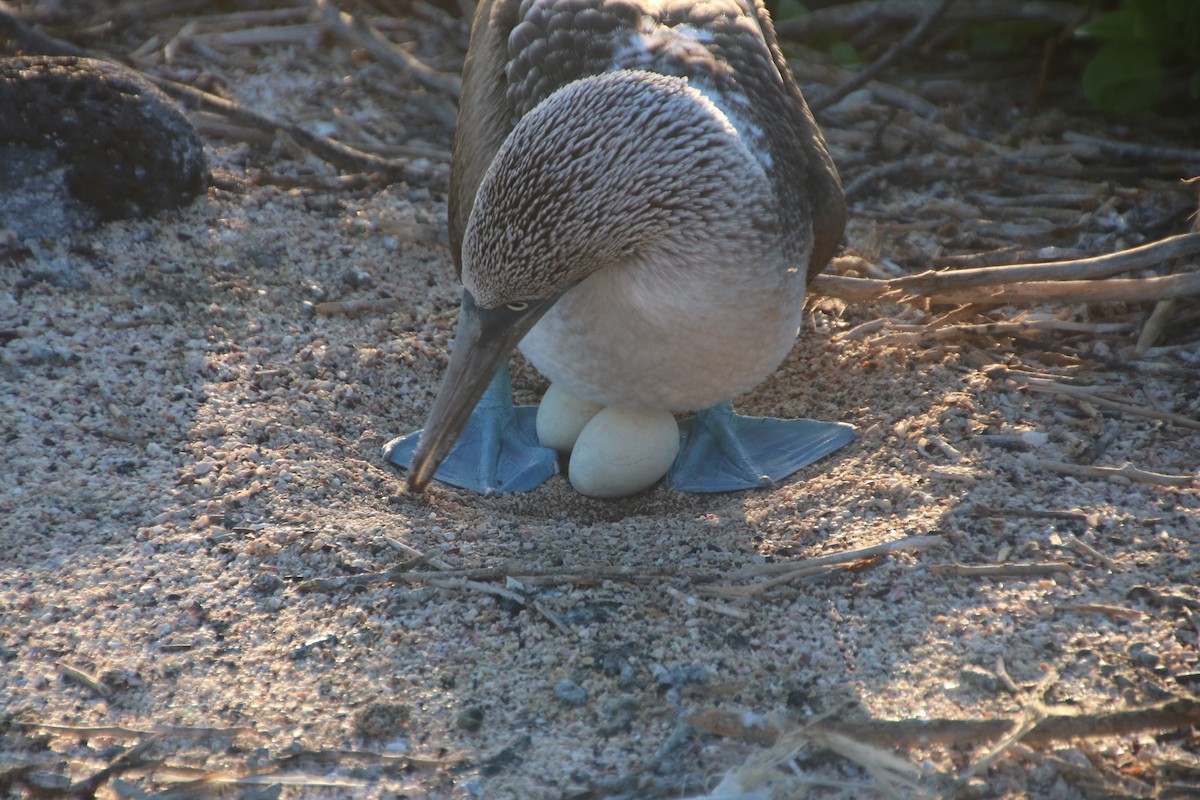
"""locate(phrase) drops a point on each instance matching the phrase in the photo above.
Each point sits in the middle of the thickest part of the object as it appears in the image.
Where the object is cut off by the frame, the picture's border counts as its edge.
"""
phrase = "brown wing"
(484, 117)
(822, 185)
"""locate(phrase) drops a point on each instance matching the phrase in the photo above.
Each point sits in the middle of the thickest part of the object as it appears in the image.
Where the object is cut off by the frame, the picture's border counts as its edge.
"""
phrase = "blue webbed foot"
(723, 452)
(497, 451)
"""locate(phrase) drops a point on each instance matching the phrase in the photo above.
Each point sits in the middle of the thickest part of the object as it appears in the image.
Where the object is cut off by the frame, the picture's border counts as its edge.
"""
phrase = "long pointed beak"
(484, 340)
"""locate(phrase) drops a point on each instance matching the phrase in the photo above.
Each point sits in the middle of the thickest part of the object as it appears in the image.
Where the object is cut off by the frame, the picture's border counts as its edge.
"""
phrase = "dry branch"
(403, 574)
(1001, 570)
(121, 732)
(1028, 284)
(354, 308)
(1087, 551)
(1140, 152)
(12, 27)
(1147, 255)
(865, 76)
(1107, 609)
(1112, 290)
(83, 678)
(1156, 323)
(187, 784)
(1021, 728)
(982, 510)
(910, 543)
(326, 149)
(938, 331)
(563, 575)
(823, 564)
(359, 32)
(716, 608)
(1127, 472)
(1091, 395)
(861, 15)
(915, 732)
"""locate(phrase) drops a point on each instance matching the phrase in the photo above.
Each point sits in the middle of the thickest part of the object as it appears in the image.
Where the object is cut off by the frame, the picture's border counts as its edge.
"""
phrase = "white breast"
(705, 295)
(658, 334)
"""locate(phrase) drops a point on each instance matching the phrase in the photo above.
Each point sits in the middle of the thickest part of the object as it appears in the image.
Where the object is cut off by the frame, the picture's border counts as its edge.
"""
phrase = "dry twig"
(122, 732)
(1112, 290)
(1108, 610)
(359, 32)
(562, 574)
(1001, 570)
(1128, 472)
(1091, 395)
(822, 564)
(326, 149)
(861, 15)
(910, 41)
(717, 608)
(1134, 150)
(355, 308)
(1072, 281)
(83, 678)
(1055, 726)
(910, 543)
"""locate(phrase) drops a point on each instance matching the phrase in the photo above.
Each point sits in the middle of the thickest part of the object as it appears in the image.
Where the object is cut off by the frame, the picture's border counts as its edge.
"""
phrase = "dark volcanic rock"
(114, 142)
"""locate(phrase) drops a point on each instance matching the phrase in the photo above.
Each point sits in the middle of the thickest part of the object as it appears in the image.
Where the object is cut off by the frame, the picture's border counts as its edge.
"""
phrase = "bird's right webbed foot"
(498, 450)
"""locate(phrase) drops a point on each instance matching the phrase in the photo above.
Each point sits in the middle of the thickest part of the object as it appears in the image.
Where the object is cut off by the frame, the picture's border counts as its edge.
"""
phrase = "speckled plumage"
(522, 52)
(659, 158)
(639, 198)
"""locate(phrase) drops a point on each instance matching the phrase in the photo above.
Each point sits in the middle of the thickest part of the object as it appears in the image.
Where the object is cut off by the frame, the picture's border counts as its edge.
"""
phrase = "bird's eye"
(518, 306)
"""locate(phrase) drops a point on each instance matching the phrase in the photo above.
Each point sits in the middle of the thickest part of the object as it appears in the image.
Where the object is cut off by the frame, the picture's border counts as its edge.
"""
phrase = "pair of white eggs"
(614, 451)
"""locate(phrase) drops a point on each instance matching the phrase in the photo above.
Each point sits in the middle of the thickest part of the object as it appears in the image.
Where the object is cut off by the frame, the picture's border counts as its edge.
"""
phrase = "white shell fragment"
(561, 416)
(621, 452)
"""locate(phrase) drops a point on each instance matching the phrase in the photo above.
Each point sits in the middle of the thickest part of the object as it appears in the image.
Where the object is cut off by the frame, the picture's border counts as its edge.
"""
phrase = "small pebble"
(570, 693)
(679, 676)
(470, 718)
(1140, 656)
(980, 678)
(507, 758)
(1034, 438)
(259, 757)
(47, 782)
(381, 720)
(798, 698)
(619, 715)
(324, 640)
(626, 677)
(266, 583)
(358, 279)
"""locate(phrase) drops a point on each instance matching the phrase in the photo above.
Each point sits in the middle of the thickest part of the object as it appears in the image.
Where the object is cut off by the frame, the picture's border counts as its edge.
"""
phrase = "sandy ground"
(192, 461)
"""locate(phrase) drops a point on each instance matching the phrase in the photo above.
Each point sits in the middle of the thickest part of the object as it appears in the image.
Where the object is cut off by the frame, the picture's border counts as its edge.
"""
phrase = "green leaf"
(844, 54)
(1170, 23)
(1125, 78)
(789, 9)
(1003, 38)
(1115, 26)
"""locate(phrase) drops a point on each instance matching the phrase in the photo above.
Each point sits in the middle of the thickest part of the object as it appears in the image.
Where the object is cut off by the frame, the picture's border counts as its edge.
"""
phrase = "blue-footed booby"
(639, 198)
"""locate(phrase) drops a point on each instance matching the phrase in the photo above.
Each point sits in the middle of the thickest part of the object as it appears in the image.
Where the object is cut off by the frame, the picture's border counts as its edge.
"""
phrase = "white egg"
(561, 416)
(620, 452)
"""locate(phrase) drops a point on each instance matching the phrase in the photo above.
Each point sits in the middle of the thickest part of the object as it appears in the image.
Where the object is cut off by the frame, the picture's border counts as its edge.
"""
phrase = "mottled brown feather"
(518, 58)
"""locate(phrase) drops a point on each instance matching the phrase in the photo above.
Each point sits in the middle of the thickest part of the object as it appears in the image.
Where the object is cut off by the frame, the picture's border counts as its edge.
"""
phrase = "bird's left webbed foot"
(497, 451)
(723, 452)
